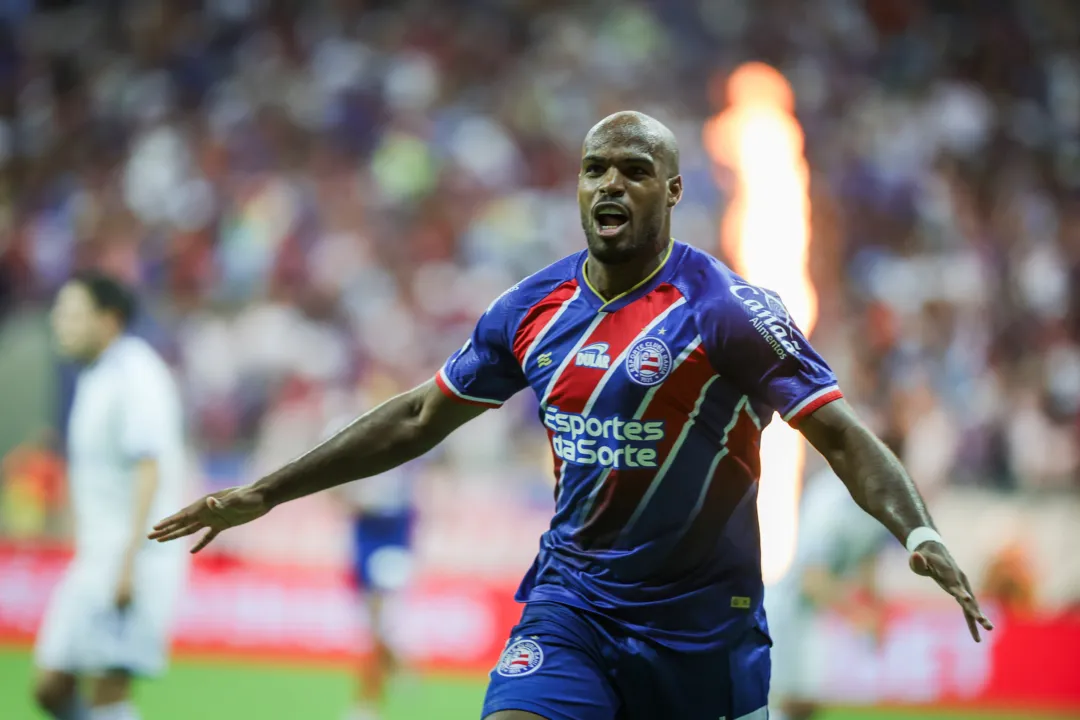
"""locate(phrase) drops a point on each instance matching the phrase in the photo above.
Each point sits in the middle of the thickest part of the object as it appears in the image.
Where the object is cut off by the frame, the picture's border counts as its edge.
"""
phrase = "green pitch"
(230, 691)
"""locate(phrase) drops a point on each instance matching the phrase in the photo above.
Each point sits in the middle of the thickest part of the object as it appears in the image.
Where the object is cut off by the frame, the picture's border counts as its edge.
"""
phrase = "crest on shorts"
(521, 657)
(648, 362)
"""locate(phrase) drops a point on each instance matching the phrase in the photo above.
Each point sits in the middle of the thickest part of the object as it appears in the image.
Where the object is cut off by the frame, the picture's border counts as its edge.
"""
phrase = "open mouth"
(610, 218)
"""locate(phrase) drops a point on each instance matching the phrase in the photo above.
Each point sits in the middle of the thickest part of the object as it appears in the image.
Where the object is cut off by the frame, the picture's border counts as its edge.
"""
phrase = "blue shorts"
(565, 664)
(382, 560)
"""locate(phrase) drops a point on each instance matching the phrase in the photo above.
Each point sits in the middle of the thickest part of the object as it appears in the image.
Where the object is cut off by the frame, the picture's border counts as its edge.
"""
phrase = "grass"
(215, 690)
(231, 691)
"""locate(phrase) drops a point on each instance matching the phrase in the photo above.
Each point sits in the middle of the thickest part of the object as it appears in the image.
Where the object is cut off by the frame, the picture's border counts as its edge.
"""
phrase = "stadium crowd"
(316, 200)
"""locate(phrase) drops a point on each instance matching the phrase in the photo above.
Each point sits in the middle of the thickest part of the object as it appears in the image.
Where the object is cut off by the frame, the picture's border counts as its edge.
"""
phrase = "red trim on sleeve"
(817, 404)
(449, 392)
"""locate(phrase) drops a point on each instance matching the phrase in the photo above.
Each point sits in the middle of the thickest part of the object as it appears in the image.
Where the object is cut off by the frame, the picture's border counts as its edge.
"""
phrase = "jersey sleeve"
(145, 417)
(484, 371)
(752, 340)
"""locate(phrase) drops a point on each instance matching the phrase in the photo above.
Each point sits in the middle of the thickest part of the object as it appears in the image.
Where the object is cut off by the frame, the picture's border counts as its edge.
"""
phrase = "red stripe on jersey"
(817, 404)
(624, 489)
(538, 317)
(618, 329)
(735, 474)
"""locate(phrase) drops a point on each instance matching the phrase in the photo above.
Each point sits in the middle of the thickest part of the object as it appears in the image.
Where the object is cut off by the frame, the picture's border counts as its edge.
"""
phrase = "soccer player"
(382, 522)
(382, 517)
(656, 368)
(108, 621)
(834, 570)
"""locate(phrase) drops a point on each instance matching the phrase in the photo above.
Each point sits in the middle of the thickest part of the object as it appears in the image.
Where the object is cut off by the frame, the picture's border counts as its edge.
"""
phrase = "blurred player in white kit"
(836, 547)
(109, 619)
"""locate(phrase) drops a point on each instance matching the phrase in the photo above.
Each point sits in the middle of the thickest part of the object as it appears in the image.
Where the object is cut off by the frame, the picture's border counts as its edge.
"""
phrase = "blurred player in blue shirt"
(382, 518)
(656, 368)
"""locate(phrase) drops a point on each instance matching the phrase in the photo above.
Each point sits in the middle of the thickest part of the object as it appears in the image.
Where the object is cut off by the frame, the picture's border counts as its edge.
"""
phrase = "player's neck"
(107, 342)
(610, 281)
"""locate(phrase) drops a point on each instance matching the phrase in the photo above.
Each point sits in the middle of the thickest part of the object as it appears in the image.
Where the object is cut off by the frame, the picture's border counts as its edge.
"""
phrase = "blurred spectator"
(1009, 581)
(314, 196)
(31, 490)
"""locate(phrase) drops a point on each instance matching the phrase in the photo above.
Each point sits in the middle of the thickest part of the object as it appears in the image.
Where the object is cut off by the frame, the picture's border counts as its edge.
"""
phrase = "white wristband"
(920, 535)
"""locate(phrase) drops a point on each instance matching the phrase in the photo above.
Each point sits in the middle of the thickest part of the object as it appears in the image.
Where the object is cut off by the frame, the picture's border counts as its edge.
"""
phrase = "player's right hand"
(215, 512)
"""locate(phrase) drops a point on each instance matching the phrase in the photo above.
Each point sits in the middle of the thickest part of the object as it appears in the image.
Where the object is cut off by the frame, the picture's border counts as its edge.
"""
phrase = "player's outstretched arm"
(393, 433)
(880, 485)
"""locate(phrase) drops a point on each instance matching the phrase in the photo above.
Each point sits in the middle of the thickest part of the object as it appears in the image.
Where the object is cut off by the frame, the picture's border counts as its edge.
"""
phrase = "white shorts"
(83, 632)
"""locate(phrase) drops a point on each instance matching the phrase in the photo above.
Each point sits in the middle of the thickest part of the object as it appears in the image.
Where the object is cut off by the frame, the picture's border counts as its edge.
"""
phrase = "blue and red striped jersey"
(654, 403)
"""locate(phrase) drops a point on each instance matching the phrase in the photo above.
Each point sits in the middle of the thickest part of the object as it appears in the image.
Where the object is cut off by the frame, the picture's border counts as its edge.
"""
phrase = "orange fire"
(766, 234)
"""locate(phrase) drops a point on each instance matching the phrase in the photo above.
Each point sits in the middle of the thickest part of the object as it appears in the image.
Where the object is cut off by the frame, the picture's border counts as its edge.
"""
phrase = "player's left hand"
(932, 560)
(125, 590)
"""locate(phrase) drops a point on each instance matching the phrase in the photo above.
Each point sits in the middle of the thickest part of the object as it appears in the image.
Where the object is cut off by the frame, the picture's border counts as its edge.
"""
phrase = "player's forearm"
(877, 481)
(389, 435)
(145, 482)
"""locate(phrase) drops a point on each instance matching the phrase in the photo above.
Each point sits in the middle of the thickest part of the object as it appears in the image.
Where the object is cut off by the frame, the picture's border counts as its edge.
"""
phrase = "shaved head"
(628, 185)
(630, 127)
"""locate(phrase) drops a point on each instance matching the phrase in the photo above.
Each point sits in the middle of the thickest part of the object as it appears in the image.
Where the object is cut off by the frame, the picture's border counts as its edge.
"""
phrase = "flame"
(766, 234)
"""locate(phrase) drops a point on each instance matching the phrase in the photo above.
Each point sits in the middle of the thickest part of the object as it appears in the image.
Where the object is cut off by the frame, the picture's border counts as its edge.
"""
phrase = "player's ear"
(674, 188)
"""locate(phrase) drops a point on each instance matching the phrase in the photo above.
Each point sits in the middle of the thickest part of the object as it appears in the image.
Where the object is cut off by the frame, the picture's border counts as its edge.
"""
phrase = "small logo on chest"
(594, 356)
(649, 361)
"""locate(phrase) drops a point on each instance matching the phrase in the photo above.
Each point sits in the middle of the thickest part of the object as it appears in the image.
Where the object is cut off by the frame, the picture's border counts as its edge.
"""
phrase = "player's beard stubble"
(636, 242)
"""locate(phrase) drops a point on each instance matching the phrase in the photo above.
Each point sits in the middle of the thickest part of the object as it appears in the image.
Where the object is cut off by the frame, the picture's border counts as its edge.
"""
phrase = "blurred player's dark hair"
(109, 294)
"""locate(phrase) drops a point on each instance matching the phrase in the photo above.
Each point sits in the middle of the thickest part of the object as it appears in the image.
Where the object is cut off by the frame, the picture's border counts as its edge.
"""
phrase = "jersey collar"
(644, 287)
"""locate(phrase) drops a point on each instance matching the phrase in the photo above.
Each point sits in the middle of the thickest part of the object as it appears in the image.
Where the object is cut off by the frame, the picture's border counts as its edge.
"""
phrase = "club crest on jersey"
(648, 362)
(594, 356)
(522, 657)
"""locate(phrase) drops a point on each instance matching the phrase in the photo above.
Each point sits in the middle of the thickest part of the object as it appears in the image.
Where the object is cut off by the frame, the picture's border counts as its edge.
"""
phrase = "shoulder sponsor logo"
(769, 317)
(594, 356)
(503, 294)
(543, 359)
